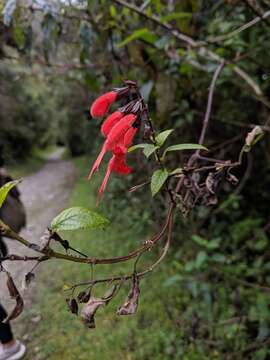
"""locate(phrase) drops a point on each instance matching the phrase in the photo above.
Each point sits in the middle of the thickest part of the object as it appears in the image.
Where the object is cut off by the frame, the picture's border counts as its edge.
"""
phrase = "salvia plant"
(126, 129)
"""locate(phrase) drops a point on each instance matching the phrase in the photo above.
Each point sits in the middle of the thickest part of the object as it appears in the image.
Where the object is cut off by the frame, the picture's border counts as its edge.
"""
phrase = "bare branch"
(209, 103)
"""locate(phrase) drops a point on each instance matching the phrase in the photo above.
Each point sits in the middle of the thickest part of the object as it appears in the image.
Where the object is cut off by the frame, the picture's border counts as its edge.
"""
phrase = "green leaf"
(172, 280)
(142, 34)
(220, 258)
(19, 35)
(5, 189)
(78, 218)
(176, 16)
(199, 240)
(138, 146)
(176, 171)
(213, 244)
(66, 287)
(113, 11)
(200, 259)
(162, 137)
(149, 150)
(158, 179)
(180, 147)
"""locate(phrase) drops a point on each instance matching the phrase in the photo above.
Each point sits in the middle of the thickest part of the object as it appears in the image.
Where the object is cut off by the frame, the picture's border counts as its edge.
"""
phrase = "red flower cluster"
(119, 129)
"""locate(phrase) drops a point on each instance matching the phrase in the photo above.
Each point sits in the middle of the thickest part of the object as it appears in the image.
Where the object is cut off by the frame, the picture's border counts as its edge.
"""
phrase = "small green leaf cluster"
(160, 176)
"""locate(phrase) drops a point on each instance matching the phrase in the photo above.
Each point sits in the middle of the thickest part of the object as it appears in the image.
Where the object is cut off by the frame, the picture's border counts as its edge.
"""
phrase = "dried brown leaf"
(211, 183)
(131, 303)
(14, 294)
(83, 296)
(254, 135)
(28, 278)
(72, 306)
(89, 310)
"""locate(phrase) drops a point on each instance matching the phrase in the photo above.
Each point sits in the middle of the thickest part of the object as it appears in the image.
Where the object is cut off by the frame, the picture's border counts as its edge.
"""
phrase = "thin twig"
(209, 103)
(140, 274)
(190, 42)
(49, 253)
(240, 29)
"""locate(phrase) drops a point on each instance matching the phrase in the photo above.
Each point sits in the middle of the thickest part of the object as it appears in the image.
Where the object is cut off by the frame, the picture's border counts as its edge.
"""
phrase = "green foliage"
(5, 189)
(142, 34)
(162, 137)
(181, 147)
(78, 217)
(52, 65)
(158, 179)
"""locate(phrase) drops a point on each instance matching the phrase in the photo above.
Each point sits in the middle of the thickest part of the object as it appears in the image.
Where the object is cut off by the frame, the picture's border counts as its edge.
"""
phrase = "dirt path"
(44, 194)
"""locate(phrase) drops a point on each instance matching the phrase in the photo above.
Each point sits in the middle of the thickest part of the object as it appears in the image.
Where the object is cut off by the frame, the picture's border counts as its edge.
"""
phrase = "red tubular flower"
(96, 165)
(129, 136)
(119, 130)
(118, 165)
(114, 138)
(109, 123)
(102, 104)
(105, 181)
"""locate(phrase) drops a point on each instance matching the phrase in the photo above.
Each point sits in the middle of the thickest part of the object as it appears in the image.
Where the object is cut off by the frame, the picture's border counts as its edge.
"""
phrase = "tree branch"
(209, 103)
(190, 42)
(49, 253)
(240, 29)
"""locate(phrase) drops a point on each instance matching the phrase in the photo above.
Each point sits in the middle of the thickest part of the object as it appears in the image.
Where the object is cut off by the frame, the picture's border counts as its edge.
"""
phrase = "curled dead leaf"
(254, 135)
(211, 183)
(28, 278)
(72, 306)
(131, 303)
(45, 240)
(83, 296)
(14, 294)
(89, 310)
(232, 178)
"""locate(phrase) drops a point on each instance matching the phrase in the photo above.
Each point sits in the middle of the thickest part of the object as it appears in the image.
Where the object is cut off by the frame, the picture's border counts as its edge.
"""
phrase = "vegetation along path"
(44, 194)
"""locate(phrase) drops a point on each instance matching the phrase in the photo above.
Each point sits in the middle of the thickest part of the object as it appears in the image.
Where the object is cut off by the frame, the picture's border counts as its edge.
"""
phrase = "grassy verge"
(61, 335)
(32, 164)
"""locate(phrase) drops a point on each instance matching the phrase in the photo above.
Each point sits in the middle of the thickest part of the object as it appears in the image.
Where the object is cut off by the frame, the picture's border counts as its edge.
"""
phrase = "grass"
(61, 335)
(32, 164)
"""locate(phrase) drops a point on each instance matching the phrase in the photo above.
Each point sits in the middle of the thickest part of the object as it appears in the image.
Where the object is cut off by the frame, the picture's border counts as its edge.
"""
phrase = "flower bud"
(109, 123)
(102, 104)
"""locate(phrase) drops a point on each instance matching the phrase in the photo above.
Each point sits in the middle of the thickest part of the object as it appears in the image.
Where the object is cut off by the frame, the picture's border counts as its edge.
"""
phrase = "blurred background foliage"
(57, 56)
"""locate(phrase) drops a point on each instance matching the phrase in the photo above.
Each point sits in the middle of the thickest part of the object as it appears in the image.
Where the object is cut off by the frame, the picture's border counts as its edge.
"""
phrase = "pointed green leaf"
(138, 146)
(176, 171)
(149, 150)
(180, 147)
(78, 218)
(5, 189)
(142, 34)
(162, 137)
(176, 16)
(200, 259)
(158, 179)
